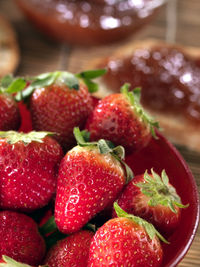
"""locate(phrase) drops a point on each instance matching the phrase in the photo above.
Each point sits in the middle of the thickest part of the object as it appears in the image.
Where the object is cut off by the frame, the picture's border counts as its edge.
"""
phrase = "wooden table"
(39, 54)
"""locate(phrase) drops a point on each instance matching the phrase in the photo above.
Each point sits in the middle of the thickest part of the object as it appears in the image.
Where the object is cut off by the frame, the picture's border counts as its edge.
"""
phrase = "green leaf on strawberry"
(11, 85)
(160, 192)
(87, 77)
(69, 79)
(134, 99)
(49, 227)
(91, 74)
(63, 77)
(104, 147)
(150, 229)
(13, 137)
(46, 79)
(9, 262)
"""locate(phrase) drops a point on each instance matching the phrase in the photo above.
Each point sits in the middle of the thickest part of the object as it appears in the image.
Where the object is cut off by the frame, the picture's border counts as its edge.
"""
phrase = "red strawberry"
(121, 119)
(28, 169)
(60, 101)
(154, 199)
(126, 241)
(71, 251)
(20, 238)
(9, 112)
(90, 178)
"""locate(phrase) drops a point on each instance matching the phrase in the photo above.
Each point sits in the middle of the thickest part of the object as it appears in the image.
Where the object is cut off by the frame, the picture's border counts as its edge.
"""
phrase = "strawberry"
(71, 251)
(28, 169)
(126, 241)
(9, 112)
(154, 199)
(121, 119)
(59, 101)
(91, 175)
(20, 238)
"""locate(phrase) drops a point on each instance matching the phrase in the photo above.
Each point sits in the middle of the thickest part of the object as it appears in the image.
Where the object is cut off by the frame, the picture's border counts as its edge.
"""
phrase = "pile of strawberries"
(80, 205)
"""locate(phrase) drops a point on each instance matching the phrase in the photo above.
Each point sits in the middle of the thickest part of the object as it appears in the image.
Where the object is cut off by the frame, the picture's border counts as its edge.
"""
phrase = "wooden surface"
(39, 54)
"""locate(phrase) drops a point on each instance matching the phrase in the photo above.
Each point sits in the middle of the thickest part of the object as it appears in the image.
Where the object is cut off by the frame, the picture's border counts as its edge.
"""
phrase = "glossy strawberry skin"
(114, 119)
(58, 109)
(20, 238)
(133, 201)
(87, 183)
(9, 113)
(28, 173)
(122, 242)
(71, 251)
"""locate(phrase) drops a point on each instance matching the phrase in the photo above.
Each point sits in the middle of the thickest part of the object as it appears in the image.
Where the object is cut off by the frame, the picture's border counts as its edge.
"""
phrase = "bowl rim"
(189, 240)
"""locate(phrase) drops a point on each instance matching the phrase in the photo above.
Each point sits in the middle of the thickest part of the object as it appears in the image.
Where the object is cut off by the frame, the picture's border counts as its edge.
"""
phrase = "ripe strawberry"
(9, 112)
(20, 238)
(126, 241)
(28, 169)
(71, 251)
(154, 199)
(60, 101)
(121, 119)
(90, 178)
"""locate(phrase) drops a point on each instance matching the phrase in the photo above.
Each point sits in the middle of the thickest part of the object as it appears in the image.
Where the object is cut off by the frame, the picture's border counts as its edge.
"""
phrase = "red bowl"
(161, 154)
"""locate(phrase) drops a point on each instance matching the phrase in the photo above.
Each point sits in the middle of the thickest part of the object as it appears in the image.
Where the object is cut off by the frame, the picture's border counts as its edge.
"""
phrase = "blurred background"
(177, 21)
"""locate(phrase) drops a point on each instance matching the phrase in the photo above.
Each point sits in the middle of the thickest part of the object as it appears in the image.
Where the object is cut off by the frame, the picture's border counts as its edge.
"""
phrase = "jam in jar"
(89, 21)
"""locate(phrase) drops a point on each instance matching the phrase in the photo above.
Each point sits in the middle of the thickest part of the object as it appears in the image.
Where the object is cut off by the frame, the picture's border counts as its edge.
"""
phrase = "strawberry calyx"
(11, 85)
(134, 99)
(159, 191)
(9, 262)
(149, 228)
(47, 79)
(13, 137)
(72, 81)
(104, 147)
